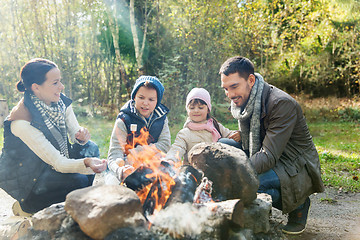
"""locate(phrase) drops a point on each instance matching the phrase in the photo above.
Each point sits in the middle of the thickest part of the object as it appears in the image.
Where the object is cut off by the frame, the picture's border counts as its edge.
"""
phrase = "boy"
(143, 111)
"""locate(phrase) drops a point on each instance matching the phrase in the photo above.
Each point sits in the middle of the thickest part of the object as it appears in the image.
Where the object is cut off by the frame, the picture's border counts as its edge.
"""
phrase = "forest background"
(309, 48)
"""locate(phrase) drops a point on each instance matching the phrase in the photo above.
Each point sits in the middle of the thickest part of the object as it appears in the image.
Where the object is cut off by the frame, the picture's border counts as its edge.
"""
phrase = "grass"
(337, 142)
(338, 146)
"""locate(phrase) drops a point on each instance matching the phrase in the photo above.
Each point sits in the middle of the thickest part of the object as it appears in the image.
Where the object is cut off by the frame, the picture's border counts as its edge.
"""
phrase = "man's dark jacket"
(287, 148)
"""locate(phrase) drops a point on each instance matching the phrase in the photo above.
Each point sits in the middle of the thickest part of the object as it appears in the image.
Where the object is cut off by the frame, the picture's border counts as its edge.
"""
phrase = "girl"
(143, 111)
(39, 166)
(199, 126)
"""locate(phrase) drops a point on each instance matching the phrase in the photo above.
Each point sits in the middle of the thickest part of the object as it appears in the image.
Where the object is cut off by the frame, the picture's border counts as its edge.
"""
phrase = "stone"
(49, 219)
(243, 234)
(228, 168)
(99, 210)
(258, 213)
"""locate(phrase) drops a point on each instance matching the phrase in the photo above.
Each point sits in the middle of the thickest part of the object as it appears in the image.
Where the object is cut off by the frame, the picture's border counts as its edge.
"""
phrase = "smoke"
(182, 220)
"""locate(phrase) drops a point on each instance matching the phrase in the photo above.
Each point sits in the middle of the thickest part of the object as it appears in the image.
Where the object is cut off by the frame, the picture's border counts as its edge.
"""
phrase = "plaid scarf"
(249, 118)
(54, 118)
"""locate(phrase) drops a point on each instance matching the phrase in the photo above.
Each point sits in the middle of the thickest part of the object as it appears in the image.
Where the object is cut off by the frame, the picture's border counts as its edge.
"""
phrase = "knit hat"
(199, 93)
(154, 81)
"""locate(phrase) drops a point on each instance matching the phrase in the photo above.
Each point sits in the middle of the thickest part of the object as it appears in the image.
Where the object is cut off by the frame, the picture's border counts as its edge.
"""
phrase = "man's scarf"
(249, 117)
(208, 126)
(54, 118)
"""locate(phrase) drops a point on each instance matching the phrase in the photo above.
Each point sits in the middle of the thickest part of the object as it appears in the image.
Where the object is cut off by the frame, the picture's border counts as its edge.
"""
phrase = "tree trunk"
(139, 52)
(115, 34)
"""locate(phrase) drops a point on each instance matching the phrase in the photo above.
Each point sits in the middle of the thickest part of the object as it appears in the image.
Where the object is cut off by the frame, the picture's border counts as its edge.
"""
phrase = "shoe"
(297, 219)
(17, 210)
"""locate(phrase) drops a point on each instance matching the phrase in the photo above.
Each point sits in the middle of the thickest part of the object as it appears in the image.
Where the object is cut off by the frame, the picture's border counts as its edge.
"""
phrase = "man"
(275, 136)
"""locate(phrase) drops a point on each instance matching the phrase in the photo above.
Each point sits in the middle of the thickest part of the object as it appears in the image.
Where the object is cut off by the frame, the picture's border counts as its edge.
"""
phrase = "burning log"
(153, 185)
(203, 191)
(138, 179)
(185, 185)
(150, 201)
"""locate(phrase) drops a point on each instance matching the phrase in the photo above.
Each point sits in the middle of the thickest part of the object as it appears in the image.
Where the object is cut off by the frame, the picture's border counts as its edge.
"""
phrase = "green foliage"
(349, 114)
(302, 46)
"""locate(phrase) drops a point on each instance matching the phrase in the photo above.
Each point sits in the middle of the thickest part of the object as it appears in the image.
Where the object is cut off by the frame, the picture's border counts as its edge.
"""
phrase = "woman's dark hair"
(34, 71)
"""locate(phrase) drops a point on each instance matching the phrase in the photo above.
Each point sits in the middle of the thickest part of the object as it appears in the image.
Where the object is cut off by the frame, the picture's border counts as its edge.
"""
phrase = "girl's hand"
(83, 135)
(96, 164)
(236, 136)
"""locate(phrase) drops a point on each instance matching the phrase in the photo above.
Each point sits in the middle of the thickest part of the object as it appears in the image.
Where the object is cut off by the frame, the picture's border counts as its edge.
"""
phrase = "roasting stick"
(133, 129)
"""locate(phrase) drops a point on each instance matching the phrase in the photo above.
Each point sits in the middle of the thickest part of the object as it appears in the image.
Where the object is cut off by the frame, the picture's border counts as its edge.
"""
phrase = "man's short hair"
(241, 65)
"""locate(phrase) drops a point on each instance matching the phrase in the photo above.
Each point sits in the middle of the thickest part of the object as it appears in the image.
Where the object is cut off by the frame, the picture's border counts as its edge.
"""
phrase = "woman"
(39, 166)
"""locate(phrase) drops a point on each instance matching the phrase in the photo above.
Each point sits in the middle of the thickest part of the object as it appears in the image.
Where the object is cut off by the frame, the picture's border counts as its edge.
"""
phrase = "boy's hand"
(124, 171)
(236, 136)
(83, 135)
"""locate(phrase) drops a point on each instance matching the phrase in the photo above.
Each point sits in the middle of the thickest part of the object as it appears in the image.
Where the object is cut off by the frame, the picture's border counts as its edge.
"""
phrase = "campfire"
(195, 199)
(159, 183)
(212, 198)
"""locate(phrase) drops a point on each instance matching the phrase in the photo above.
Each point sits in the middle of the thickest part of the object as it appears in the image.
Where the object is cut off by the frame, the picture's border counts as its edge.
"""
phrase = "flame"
(155, 195)
(149, 156)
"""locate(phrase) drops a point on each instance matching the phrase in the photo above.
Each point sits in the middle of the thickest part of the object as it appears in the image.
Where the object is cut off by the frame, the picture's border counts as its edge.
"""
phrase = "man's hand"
(96, 164)
(83, 135)
(236, 136)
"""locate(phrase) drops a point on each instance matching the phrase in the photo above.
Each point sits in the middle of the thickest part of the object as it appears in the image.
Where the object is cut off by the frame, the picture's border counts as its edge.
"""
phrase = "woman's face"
(197, 112)
(50, 90)
(145, 101)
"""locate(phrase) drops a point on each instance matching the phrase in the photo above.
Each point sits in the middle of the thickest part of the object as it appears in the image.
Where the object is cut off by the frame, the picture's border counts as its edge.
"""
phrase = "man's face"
(237, 88)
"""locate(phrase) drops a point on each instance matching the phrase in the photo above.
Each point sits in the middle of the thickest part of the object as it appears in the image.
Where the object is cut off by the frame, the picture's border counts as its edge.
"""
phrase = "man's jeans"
(270, 184)
(52, 187)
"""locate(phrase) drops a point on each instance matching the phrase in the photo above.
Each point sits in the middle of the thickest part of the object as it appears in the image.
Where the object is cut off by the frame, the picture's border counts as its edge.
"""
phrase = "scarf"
(54, 118)
(208, 126)
(249, 117)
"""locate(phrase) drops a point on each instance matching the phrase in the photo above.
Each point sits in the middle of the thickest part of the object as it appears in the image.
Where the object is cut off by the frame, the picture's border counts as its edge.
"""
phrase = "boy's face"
(145, 101)
(197, 112)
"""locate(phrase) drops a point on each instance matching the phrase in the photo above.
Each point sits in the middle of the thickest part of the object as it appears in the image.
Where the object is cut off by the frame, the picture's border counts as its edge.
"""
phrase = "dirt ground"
(334, 215)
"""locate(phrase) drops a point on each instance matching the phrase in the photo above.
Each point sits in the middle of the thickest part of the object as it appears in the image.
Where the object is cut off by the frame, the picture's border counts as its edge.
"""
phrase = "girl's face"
(145, 101)
(197, 112)
(50, 90)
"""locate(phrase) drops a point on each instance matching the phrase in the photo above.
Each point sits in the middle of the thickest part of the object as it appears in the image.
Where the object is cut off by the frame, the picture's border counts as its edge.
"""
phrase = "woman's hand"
(96, 164)
(83, 135)
(236, 136)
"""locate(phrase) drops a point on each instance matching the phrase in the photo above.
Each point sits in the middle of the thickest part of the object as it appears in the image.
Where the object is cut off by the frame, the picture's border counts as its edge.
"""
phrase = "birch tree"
(139, 50)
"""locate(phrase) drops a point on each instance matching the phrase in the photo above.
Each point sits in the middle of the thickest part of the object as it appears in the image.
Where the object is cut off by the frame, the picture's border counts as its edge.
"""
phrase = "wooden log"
(232, 209)
(15, 227)
(185, 186)
(138, 180)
